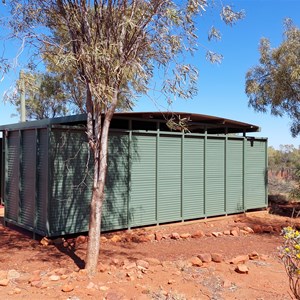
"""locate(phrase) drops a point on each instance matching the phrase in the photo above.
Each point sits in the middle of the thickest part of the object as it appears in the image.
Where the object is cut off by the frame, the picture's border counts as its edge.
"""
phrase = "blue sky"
(221, 87)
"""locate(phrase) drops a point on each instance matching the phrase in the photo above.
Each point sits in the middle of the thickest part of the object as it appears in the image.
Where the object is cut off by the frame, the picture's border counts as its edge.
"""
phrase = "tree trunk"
(100, 169)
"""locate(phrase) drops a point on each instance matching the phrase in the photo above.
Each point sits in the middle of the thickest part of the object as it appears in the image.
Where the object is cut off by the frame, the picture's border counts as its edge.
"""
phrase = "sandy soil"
(151, 263)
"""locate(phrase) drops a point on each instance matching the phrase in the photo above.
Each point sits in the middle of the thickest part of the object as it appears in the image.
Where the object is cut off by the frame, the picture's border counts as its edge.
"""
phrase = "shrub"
(291, 258)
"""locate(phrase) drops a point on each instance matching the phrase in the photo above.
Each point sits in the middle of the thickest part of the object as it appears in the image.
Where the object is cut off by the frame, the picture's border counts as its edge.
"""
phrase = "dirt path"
(152, 263)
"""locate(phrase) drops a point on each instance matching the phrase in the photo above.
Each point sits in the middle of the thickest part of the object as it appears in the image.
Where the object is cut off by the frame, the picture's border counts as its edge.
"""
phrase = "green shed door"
(234, 176)
(193, 178)
(169, 179)
(114, 214)
(12, 179)
(215, 177)
(142, 202)
(255, 174)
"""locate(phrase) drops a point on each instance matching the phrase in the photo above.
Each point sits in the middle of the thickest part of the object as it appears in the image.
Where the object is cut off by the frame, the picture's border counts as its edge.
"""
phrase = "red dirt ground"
(28, 268)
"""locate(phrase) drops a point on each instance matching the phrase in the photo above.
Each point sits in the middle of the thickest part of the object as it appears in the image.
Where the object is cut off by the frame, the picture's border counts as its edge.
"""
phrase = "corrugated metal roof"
(195, 121)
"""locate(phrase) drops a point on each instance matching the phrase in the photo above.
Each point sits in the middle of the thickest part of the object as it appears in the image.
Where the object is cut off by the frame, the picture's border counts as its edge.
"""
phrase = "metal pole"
(22, 96)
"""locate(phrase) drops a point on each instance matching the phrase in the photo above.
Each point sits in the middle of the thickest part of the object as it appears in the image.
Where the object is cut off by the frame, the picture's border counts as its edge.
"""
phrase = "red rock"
(248, 229)
(205, 257)
(150, 237)
(103, 267)
(143, 239)
(244, 232)
(242, 269)
(196, 261)
(185, 235)
(234, 232)
(175, 236)
(257, 229)
(129, 265)
(54, 277)
(239, 259)
(34, 278)
(17, 291)
(45, 241)
(67, 288)
(115, 238)
(81, 239)
(158, 236)
(216, 233)
(142, 263)
(4, 282)
(267, 229)
(253, 255)
(198, 234)
(217, 257)
(36, 283)
(208, 234)
(226, 232)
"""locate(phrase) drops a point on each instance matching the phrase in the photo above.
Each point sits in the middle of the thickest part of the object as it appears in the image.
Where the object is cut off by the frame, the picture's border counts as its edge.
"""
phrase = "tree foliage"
(274, 84)
(114, 49)
(45, 96)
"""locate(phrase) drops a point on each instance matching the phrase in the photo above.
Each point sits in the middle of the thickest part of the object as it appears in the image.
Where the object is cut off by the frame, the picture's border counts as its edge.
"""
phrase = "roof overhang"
(195, 122)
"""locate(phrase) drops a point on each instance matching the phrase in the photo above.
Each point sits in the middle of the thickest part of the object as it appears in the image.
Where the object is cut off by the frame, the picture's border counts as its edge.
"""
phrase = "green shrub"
(291, 258)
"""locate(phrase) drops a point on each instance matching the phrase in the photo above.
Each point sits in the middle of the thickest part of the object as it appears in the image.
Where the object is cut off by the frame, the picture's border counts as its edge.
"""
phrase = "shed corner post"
(266, 173)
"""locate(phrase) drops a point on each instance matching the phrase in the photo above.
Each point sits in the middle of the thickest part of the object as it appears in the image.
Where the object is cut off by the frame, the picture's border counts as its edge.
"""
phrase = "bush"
(291, 258)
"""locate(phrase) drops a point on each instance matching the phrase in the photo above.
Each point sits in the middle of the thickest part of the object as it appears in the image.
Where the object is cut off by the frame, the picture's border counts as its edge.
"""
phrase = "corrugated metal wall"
(26, 188)
(184, 177)
(70, 182)
(153, 177)
(255, 173)
(12, 177)
(28, 178)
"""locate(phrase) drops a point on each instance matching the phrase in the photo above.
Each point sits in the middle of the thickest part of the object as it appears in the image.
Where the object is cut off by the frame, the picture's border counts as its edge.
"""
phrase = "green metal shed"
(154, 175)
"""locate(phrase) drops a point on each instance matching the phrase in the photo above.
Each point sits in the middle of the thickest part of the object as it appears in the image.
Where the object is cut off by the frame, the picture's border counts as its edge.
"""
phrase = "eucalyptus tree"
(274, 84)
(45, 95)
(114, 48)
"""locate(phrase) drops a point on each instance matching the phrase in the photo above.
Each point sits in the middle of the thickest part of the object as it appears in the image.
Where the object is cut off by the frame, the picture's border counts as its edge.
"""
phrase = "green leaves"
(274, 84)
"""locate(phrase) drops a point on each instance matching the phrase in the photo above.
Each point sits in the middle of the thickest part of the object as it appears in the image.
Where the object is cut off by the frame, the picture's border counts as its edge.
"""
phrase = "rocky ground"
(233, 257)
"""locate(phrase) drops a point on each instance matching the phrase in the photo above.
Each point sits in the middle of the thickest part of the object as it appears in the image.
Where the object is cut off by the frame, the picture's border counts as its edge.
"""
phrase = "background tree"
(114, 48)
(45, 95)
(274, 84)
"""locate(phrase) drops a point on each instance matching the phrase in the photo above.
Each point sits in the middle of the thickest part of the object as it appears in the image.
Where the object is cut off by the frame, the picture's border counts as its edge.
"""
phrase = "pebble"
(54, 277)
(4, 282)
(242, 269)
(67, 288)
